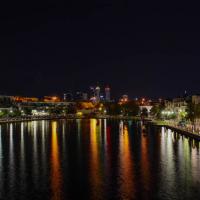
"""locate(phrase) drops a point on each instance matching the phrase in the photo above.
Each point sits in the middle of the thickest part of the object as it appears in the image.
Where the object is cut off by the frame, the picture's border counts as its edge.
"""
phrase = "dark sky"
(141, 49)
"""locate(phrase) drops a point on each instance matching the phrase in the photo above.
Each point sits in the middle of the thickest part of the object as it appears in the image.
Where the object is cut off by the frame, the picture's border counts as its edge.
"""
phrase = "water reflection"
(11, 172)
(44, 146)
(94, 160)
(167, 159)
(22, 160)
(35, 154)
(126, 177)
(56, 178)
(145, 164)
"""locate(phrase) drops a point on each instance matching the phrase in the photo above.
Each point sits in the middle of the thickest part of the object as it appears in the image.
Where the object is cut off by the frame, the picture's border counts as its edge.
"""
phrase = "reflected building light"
(11, 150)
(169, 143)
(195, 164)
(56, 178)
(43, 127)
(11, 162)
(163, 146)
(43, 138)
(44, 157)
(94, 160)
(186, 150)
(193, 144)
(180, 150)
(121, 127)
(163, 130)
(108, 151)
(22, 141)
(35, 138)
(99, 131)
(126, 180)
(35, 155)
(79, 128)
(64, 137)
(22, 159)
(63, 128)
(105, 132)
(78, 121)
(30, 126)
(145, 164)
(168, 161)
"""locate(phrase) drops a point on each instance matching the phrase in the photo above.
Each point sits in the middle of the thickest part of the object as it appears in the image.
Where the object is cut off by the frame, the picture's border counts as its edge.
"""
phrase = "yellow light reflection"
(56, 179)
(126, 164)
(94, 160)
(44, 156)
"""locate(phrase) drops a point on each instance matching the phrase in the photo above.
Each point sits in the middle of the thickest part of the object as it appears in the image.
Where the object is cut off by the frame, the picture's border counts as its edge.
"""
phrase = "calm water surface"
(96, 159)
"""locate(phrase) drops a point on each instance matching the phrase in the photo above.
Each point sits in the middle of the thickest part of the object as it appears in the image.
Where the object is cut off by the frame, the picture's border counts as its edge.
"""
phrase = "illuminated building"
(97, 93)
(65, 97)
(92, 92)
(51, 99)
(81, 96)
(124, 99)
(68, 96)
(107, 94)
(25, 99)
(85, 96)
(176, 106)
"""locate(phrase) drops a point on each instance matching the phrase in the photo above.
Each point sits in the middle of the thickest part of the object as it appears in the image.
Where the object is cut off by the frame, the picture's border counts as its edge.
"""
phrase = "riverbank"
(182, 131)
(179, 130)
(54, 117)
(24, 119)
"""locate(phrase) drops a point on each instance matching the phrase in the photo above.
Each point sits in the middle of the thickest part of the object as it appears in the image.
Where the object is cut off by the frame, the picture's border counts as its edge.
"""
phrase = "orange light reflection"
(126, 164)
(145, 167)
(56, 178)
(94, 160)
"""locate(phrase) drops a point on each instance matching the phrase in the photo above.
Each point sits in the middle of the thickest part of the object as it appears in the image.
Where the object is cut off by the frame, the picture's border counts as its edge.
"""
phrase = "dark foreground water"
(96, 159)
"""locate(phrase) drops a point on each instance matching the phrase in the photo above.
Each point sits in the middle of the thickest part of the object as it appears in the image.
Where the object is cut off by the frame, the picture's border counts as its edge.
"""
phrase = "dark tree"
(113, 108)
(130, 108)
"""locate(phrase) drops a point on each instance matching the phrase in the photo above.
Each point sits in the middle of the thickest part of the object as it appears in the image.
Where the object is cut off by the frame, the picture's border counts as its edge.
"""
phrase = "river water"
(96, 159)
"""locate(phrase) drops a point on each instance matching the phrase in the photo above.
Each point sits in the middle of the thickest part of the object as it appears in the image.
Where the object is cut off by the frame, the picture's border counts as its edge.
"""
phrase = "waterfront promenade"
(187, 131)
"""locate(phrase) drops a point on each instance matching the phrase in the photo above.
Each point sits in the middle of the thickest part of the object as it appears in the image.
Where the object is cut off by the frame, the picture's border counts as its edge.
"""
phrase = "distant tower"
(97, 93)
(107, 93)
(124, 98)
(85, 96)
(65, 97)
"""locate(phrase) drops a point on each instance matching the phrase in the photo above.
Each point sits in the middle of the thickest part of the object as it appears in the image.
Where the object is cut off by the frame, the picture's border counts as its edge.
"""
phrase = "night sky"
(140, 49)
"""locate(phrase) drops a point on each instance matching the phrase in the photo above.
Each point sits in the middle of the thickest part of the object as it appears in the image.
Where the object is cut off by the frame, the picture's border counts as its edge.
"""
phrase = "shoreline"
(26, 119)
(154, 123)
(178, 130)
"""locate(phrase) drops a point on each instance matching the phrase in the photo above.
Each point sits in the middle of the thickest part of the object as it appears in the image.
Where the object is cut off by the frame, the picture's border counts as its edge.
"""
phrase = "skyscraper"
(97, 93)
(107, 93)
